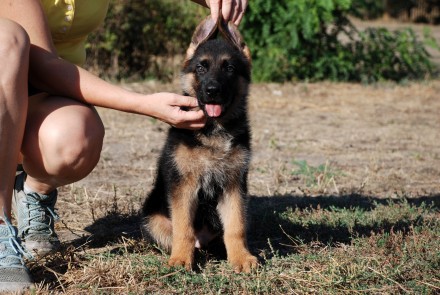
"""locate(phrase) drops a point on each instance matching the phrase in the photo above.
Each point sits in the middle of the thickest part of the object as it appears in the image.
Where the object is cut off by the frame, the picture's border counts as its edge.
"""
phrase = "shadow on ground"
(267, 227)
(268, 230)
(267, 224)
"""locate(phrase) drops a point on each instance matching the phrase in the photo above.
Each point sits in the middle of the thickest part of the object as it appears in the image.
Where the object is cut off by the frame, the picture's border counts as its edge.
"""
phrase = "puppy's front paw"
(185, 261)
(244, 263)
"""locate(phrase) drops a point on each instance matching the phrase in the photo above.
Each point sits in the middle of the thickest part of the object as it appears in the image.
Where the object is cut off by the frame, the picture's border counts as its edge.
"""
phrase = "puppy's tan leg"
(159, 227)
(183, 210)
(232, 213)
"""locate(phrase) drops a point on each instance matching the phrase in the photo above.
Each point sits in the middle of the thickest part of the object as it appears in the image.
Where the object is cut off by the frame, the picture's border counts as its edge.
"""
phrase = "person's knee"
(62, 139)
(14, 43)
(75, 150)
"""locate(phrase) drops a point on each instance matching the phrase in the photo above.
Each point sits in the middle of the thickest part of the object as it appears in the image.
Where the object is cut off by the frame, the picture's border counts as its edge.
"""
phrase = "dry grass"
(361, 215)
(323, 247)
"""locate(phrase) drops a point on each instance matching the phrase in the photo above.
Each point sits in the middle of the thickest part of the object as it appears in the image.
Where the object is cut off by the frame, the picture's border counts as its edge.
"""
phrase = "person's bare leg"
(14, 61)
(14, 58)
(62, 142)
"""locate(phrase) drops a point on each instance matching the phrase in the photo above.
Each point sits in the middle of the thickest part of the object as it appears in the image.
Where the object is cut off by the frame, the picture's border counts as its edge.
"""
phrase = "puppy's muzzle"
(212, 99)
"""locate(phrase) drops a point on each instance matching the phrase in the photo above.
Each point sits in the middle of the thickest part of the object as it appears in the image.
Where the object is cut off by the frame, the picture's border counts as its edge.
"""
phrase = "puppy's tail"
(158, 228)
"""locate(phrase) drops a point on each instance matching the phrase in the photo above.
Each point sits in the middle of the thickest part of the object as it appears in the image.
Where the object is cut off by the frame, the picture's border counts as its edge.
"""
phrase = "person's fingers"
(190, 119)
(235, 10)
(191, 115)
(214, 5)
(226, 7)
(240, 9)
(185, 101)
(230, 10)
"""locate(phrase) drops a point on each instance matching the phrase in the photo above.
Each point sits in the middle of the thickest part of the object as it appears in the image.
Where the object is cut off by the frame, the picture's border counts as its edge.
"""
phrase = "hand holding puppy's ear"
(230, 10)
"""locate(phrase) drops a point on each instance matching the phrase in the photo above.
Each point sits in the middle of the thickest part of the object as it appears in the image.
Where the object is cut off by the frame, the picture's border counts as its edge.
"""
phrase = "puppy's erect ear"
(230, 33)
(209, 29)
(204, 31)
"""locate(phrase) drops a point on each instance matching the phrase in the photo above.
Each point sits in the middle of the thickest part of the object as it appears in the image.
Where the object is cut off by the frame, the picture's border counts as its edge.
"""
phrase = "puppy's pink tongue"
(213, 110)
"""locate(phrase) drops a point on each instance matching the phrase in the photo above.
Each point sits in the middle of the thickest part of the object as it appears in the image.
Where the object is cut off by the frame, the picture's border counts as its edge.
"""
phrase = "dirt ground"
(378, 140)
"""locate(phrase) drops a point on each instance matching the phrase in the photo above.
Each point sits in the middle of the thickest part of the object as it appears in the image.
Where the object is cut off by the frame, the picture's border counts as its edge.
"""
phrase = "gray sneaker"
(14, 275)
(35, 214)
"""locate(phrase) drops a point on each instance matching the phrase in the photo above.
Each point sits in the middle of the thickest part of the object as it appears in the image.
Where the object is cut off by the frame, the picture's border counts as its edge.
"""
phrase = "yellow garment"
(70, 22)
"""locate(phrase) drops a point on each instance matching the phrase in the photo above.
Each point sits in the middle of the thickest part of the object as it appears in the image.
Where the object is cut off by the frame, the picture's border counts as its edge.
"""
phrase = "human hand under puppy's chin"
(177, 110)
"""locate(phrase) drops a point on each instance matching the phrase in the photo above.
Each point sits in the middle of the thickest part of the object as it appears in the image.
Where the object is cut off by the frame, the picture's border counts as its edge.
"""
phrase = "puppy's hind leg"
(156, 223)
(159, 228)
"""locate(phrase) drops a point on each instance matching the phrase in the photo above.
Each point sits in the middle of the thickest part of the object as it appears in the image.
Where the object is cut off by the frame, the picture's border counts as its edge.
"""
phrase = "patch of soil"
(380, 141)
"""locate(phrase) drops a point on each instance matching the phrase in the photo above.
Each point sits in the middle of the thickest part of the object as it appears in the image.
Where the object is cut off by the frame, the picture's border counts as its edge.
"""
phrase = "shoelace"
(10, 260)
(37, 210)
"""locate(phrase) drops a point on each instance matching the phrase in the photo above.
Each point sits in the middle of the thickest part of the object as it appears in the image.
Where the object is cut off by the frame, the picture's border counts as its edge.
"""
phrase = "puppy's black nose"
(212, 89)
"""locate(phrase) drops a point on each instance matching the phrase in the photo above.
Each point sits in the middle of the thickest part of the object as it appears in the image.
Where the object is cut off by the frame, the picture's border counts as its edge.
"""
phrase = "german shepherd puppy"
(201, 185)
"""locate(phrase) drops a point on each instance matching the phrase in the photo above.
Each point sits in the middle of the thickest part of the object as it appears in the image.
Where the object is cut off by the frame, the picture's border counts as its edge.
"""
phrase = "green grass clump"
(319, 177)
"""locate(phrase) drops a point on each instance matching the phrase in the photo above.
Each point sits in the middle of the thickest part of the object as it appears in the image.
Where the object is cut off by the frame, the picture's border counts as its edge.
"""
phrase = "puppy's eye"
(230, 68)
(200, 69)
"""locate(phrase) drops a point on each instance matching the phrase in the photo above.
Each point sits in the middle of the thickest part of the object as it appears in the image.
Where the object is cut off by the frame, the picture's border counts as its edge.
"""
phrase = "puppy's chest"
(216, 155)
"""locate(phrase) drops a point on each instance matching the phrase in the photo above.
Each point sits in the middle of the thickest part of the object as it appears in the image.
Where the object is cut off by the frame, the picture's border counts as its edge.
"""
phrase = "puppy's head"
(217, 69)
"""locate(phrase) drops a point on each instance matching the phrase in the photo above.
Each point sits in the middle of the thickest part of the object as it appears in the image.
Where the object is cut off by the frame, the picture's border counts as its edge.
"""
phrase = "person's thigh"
(63, 140)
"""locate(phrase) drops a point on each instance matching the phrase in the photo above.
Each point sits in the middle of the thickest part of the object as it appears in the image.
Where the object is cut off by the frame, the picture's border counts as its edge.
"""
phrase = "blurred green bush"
(418, 11)
(314, 40)
(290, 40)
(369, 9)
(141, 38)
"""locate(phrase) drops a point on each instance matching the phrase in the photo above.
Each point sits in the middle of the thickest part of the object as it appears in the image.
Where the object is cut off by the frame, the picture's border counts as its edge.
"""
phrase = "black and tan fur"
(201, 185)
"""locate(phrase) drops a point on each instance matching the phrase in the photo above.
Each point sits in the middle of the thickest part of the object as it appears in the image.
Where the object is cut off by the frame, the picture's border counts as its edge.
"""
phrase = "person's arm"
(59, 77)
(231, 10)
